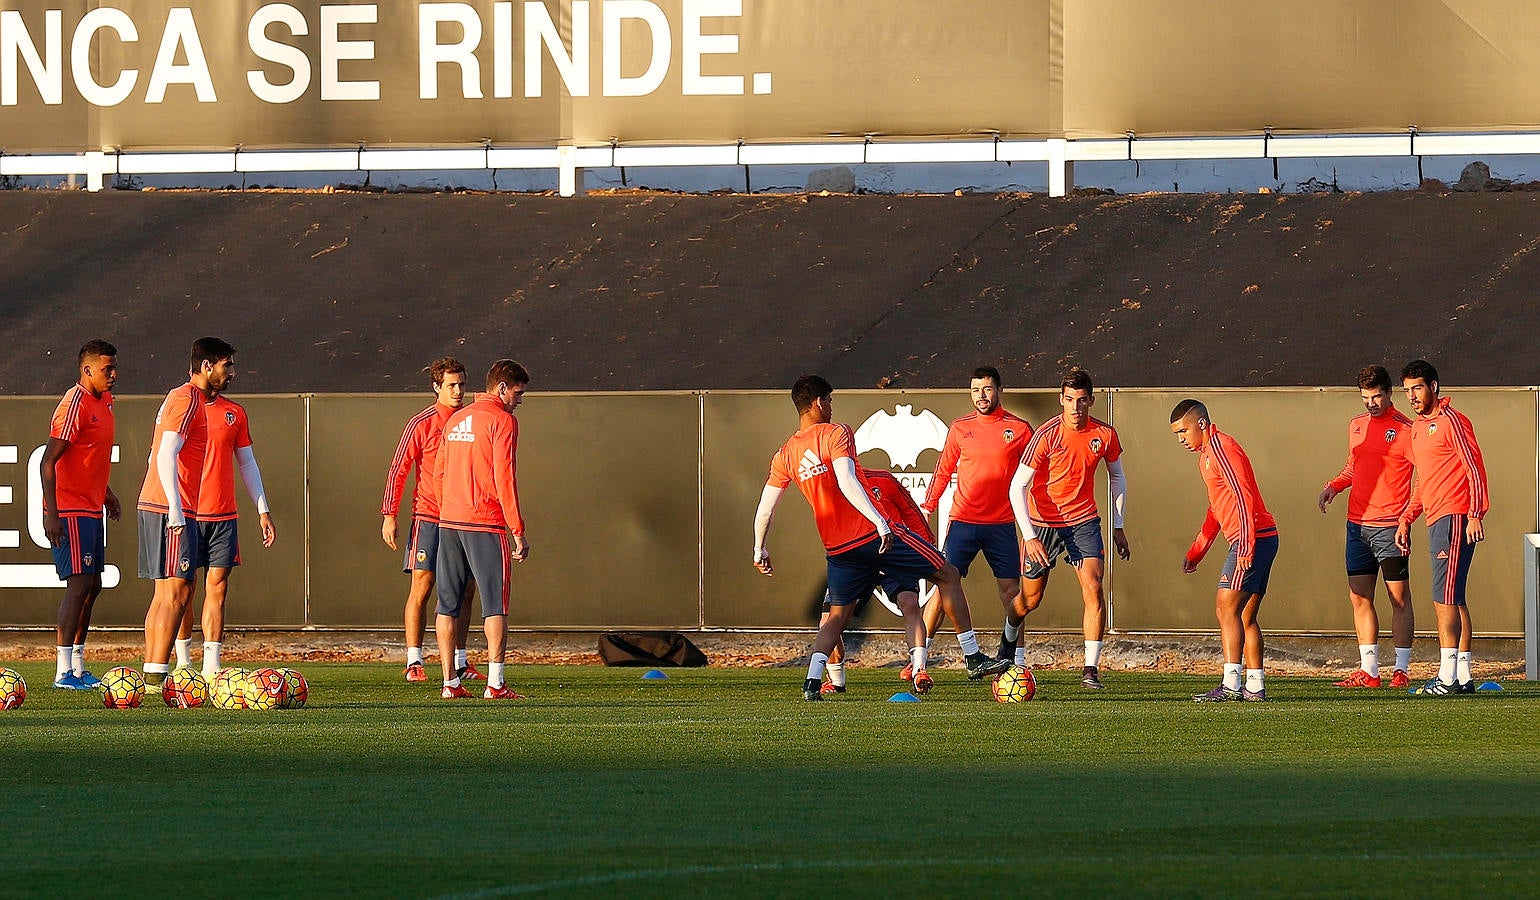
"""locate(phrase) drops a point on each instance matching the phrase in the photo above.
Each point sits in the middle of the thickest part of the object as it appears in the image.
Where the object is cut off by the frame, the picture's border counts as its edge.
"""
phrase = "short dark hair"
(506, 371)
(1186, 406)
(809, 388)
(1373, 378)
(1419, 368)
(1077, 379)
(444, 365)
(990, 372)
(209, 350)
(97, 348)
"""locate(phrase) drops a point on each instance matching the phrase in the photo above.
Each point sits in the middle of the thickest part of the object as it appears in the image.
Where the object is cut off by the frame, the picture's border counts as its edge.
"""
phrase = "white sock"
(66, 662)
(1254, 680)
(414, 656)
(917, 658)
(1448, 660)
(78, 659)
(155, 673)
(211, 657)
(1462, 667)
(452, 682)
(836, 672)
(1093, 653)
(968, 641)
(1012, 632)
(1404, 658)
(928, 642)
(461, 658)
(1233, 676)
(183, 652)
(816, 664)
(1021, 657)
(1369, 659)
(494, 674)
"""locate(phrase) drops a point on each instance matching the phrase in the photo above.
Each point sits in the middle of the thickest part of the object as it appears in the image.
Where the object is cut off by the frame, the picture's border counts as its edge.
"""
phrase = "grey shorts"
(479, 555)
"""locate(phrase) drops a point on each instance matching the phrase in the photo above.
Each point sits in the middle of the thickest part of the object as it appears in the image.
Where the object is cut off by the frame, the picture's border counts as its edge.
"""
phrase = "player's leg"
(419, 561)
(184, 630)
(1446, 542)
(1363, 568)
(1085, 551)
(1397, 574)
(1228, 604)
(76, 589)
(1252, 649)
(216, 587)
(1463, 677)
(174, 591)
(77, 563)
(852, 575)
(491, 567)
(1034, 584)
(964, 541)
(909, 557)
(78, 649)
(451, 571)
(463, 665)
(835, 668)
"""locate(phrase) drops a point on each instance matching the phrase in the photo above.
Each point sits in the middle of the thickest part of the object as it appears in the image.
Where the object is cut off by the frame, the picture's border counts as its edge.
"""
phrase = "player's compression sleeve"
(1205, 539)
(941, 479)
(1021, 486)
(855, 492)
(1117, 485)
(246, 461)
(165, 468)
(763, 516)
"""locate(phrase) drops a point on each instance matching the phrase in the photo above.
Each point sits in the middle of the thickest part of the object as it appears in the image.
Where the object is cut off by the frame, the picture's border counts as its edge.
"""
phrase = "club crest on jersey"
(1096, 445)
(810, 466)
(1390, 435)
(229, 417)
(1010, 435)
(1432, 427)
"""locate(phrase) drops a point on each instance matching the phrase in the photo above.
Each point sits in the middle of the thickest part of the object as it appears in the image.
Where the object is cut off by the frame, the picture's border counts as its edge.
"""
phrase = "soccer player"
(1235, 507)
(1379, 475)
(1452, 490)
(982, 448)
(169, 550)
(861, 545)
(1053, 498)
(229, 449)
(480, 527)
(75, 467)
(896, 505)
(418, 448)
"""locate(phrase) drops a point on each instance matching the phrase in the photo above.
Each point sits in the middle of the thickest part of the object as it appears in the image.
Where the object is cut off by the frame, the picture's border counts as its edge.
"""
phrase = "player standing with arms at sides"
(983, 448)
(861, 545)
(1053, 497)
(895, 505)
(1452, 490)
(75, 467)
(169, 551)
(1235, 507)
(418, 448)
(229, 448)
(481, 529)
(1379, 475)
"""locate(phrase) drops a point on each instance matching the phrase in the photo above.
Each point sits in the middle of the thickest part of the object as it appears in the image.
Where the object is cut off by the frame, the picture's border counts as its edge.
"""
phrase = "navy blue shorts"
(854, 572)
(1450, 553)
(891, 587)
(964, 540)
(221, 544)
(421, 546)
(164, 553)
(1368, 546)
(480, 555)
(1262, 556)
(84, 548)
(1076, 543)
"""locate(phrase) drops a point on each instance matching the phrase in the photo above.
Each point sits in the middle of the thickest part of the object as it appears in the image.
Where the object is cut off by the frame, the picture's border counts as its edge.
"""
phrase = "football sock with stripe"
(211, 664)
(495, 674)
(78, 659)
(968, 641)
(66, 664)
(183, 652)
(1462, 667)
(1021, 657)
(461, 658)
(1254, 680)
(1448, 660)
(917, 658)
(816, 664)
(1233, 676)
(1369, 659)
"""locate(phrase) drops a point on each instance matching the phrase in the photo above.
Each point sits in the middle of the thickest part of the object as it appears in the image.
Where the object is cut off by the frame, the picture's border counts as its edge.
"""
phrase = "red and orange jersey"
(984, 452)
(477, 469)
(895, 502)
(1234, 500)
(84, 421)
(1064, 462)
(182, 412)
(1451, 476)
(1378, 473)
(808, 458)
(228, 431)
(418, 447)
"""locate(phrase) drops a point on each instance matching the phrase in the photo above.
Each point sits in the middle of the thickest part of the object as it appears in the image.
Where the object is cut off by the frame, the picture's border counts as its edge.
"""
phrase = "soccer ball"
(184, 688)
(228, 689)
(265, 689)
(13, 690)
(296, 690)
(122, 688)
(1015, 685)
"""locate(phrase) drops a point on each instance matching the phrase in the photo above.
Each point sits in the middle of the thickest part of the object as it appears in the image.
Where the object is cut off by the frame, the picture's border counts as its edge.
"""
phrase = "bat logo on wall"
(902, 434)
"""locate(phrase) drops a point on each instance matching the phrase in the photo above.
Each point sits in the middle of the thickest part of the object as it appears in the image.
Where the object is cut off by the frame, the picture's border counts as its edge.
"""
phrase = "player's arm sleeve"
(48, 472)
(1021, 487)
(246, 461)
(1475, 470)
(407, 452)
(1205, 539)
(941, 479)
(763, 516)
(1343, 479)
(1246, 546)
(1117, 485)
(855, 492)
(506, 477)
(165, 467)
(914, 519)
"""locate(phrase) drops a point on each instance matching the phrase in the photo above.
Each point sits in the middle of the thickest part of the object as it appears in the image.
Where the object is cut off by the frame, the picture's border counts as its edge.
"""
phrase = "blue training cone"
(653, 675)
(903, 697)
(1489, 686)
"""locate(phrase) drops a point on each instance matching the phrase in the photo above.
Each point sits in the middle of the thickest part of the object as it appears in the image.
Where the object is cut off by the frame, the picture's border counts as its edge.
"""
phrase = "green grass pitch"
(721, 782)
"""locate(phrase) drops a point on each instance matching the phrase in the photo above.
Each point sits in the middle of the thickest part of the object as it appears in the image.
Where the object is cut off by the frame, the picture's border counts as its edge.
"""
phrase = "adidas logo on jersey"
(810, 466)
(461, 432)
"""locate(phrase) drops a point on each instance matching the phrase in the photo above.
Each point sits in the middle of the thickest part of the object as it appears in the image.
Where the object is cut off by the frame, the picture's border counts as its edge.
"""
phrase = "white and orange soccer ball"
(184, 688)
(228, 689)
(122, 688)
(13, 689)
(265, 689)
(296, 690)
(1015, 685)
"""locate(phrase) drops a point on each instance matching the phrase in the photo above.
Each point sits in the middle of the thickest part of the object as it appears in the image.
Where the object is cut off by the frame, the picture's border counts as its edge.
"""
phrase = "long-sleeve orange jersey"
(1064, 461)
(984, 452)
(228, 431)
(1378, 470)
(808, 458)
(894, 501)
(1451, 476)
(419, 446)
(182, 412)
(477, 470)
(85, 422)
(1235, 504)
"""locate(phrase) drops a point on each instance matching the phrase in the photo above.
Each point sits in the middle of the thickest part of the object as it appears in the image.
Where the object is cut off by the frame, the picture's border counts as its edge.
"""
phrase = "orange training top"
(1234, 501)
(808, 458)
(85, 423)
(984, 452)
(419, 446)
(228, 431)
(895, 502)
(478, 486)
(1063, 462)
(1451, 476)
(182, 412)
(1379, 468)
